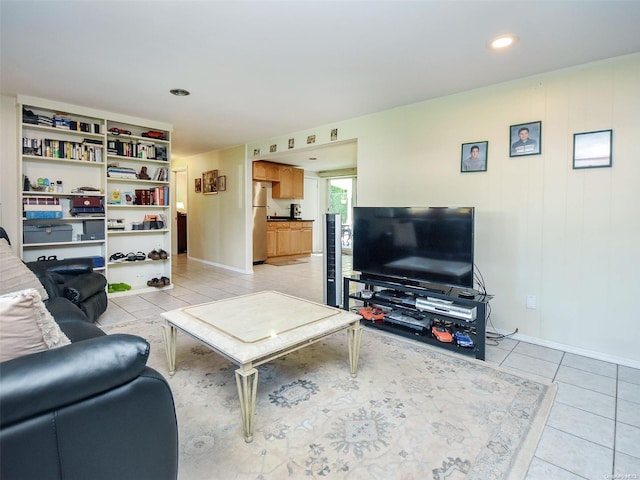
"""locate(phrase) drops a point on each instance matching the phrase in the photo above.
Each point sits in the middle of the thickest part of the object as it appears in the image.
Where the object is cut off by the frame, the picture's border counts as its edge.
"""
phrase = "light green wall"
(570, 237)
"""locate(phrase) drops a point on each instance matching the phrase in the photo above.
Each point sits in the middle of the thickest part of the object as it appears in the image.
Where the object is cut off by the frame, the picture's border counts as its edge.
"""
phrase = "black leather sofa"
(75, 280)
(70, 280)
(89, 410)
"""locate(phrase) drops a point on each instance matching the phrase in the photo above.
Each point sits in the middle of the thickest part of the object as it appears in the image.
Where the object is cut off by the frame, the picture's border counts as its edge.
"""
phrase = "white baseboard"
(220, 265)
(627, 362)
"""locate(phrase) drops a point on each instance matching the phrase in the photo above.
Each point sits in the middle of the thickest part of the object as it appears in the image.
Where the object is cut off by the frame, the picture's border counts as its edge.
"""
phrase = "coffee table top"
(250, 327)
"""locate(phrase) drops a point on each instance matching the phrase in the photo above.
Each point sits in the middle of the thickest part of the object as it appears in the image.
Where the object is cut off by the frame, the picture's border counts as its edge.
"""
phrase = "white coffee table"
(253, 329)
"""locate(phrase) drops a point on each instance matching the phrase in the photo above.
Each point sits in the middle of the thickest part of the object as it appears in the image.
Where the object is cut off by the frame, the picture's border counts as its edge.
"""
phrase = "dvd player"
(405, 320)
(446, 307)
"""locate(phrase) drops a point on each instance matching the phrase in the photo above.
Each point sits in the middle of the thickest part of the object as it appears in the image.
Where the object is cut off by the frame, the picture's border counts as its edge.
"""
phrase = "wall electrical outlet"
(532, 302)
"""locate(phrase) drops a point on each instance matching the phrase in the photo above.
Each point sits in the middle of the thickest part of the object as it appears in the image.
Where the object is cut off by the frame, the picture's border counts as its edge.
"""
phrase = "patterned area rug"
(413, 412)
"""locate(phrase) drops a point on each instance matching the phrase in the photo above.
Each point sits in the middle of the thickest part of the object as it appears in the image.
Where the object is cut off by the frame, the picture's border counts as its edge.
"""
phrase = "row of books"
(59, 120)
(41, 207)
(40, 200)
(128, 173)
(152, 196)
(141, 150)
(88, 150)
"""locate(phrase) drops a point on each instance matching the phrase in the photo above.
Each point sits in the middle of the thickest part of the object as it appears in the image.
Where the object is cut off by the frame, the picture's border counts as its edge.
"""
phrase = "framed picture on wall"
(474, 157)
(525, 139)
(592, 149)
(198, 185)
(209, 180)
(222, 183)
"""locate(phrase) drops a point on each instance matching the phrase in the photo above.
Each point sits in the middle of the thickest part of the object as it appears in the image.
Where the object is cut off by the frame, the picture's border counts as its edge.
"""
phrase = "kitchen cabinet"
(271, 239)
(289, 238)
(301, 238)
(291, 184)
(266, 171)
(298, 183)
(283, 239)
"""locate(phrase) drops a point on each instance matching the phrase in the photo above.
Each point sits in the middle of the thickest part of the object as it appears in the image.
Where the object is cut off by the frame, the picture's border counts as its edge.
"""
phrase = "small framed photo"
(209, 180)
(198, 185)
(525, 139)
(273, 148)
(256, 152)
(474, 157)
(311, 139)
(222, 183)
(129, 198)
(592, 149)
(334, 134)
(291, 143)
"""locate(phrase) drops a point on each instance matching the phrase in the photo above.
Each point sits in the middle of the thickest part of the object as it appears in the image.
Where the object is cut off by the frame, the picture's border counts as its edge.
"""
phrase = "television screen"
(415, 244)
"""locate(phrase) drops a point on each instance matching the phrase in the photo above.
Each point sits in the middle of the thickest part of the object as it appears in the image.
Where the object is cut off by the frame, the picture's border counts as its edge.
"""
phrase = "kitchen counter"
(287, 219)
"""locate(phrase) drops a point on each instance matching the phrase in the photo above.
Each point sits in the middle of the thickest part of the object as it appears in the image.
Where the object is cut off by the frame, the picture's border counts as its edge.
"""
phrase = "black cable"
(491, 336)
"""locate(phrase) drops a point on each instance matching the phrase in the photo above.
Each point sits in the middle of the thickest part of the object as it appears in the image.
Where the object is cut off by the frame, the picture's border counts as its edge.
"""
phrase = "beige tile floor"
(593, 431)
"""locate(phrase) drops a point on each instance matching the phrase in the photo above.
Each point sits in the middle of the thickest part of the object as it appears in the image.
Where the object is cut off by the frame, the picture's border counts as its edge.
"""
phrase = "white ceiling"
(262, 69)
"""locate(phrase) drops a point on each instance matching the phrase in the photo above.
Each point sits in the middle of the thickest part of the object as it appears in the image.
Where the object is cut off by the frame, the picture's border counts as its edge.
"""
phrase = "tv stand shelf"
(399, 301)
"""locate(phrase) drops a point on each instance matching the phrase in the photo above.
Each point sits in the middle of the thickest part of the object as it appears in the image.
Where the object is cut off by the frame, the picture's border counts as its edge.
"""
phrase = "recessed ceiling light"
(503, 41)
(179, 92)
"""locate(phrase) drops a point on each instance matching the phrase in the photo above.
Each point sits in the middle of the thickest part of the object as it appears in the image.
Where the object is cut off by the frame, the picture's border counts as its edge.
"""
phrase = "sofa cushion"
(14, 275)
(26, 326)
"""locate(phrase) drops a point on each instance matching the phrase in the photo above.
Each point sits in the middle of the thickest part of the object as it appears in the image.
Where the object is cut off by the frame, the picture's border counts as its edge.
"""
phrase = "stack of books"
(122, 172)
(37, 207)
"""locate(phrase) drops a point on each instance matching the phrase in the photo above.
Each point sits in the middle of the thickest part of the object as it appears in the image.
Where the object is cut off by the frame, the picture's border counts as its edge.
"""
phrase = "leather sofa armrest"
(79, 288)
(53, 274)
(49, 380)
(67, 266)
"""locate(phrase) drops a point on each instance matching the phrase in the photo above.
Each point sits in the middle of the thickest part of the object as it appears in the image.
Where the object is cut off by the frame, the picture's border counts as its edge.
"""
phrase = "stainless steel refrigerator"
(259, 222)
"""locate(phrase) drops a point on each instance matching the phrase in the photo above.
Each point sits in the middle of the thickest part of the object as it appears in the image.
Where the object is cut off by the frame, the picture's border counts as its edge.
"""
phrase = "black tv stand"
(405, 319)
(434, 290)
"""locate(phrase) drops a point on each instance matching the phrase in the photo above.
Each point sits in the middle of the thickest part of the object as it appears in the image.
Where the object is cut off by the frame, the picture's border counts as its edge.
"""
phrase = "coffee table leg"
(169, 333)
(354, 336)
(247, 381)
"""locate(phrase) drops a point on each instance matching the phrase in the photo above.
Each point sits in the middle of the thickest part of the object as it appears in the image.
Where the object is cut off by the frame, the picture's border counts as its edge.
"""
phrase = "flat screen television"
(415, 245)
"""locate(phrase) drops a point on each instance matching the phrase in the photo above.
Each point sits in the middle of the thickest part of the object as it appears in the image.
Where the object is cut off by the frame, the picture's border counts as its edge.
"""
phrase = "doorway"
(179, 226)
(342, 199)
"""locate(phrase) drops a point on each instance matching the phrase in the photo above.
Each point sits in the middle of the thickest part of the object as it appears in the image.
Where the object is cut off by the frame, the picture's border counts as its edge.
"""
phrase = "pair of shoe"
(159, 282)
(158, 255)
(118, 287)
(129, 257)
(132, 257)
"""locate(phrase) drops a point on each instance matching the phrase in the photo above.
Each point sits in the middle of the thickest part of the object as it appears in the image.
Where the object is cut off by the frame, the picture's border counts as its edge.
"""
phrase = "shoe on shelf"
(165, 281)
(163, 254)
(117, 257)
(155, 282)
(141, 256)
(131, 257)
(154, 255)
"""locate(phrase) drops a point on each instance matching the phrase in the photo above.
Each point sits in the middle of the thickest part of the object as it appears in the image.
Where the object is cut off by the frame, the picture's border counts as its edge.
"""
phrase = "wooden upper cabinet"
(298, 183)
(291, 184)
(266, 171)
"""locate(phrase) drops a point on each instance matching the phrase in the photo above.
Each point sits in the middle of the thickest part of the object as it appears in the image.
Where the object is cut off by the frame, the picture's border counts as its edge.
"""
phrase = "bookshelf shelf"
(72, 144)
